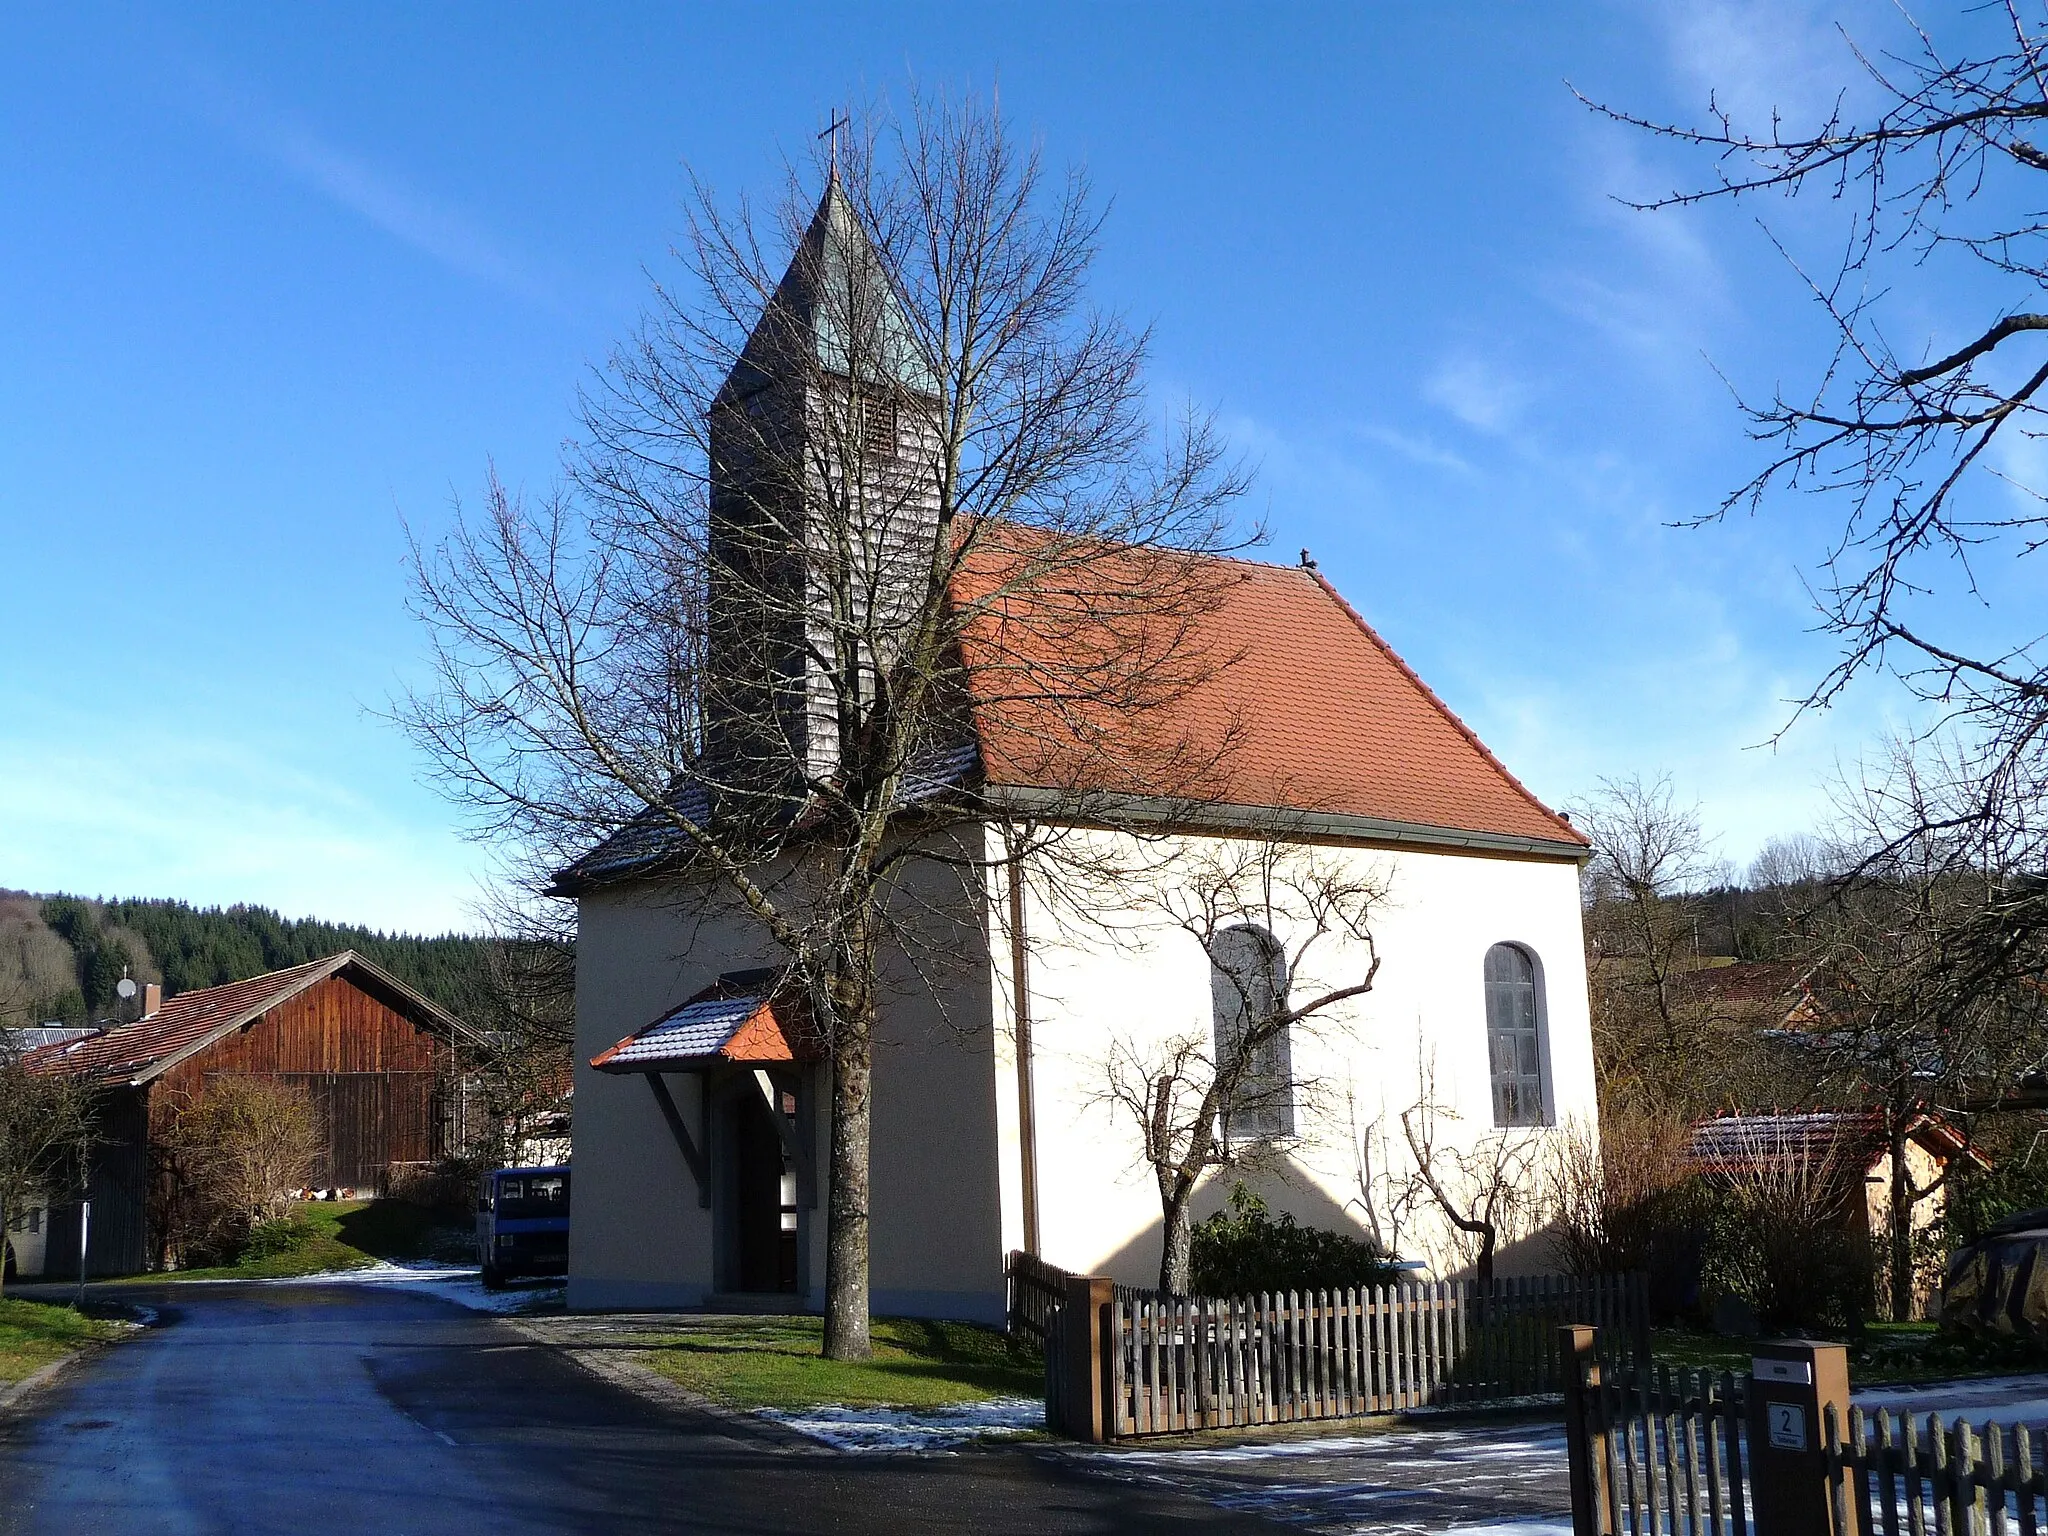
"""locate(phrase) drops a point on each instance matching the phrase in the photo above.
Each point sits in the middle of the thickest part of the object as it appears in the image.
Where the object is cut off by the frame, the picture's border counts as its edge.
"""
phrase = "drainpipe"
(1020, 990)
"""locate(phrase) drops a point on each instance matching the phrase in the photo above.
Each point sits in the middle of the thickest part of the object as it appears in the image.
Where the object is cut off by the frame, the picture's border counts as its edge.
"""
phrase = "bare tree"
(1922, 439)
(1388, 1196)
(837, 532)
(1264, 911)
(1619, 1201)
(1928, 1000)
(1788, 1243)
(1487, 1191)
(240, 1152)
(45, 1127)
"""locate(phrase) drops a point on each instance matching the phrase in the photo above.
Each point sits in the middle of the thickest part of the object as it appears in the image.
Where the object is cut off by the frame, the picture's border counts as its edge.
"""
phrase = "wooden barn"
(383, 1066)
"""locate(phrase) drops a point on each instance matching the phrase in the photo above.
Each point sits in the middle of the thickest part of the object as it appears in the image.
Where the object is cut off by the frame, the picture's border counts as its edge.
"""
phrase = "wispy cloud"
(433, 226)
(1479, 391)
(1760, 57)
(1419, 450)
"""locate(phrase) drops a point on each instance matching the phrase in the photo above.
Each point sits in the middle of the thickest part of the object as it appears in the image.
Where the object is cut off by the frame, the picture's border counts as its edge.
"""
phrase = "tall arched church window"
(1514, 1035)
(1248, 991)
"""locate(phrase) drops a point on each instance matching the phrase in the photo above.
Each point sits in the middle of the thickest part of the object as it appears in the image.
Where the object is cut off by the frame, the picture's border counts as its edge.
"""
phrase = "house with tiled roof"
(703, 1128)
(381, 1064)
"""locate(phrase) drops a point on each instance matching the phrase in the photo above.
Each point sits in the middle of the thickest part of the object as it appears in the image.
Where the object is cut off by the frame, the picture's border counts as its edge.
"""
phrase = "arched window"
(1248, 993)
(1514, 1035)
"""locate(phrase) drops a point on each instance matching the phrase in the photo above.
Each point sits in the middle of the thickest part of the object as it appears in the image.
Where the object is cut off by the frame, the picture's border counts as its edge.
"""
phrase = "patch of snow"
(1422, 1449)
(1537, 1525)
(461, 1284)
(912, 1429)
(2009, 1399)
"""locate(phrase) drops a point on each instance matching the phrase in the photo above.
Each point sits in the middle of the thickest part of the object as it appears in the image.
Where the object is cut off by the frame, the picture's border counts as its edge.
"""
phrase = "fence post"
(1579, 1348)
(1084, 1323)
(1790, 1385)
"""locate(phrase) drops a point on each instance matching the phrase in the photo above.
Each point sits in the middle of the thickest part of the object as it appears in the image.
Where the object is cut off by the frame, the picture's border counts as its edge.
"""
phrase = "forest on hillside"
(61, 957)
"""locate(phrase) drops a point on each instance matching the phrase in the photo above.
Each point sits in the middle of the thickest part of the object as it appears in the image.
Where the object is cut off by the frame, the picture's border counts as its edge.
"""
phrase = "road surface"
(366, 1411)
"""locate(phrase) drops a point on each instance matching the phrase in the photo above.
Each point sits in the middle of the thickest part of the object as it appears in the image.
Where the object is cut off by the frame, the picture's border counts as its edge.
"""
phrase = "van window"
(543, 1195)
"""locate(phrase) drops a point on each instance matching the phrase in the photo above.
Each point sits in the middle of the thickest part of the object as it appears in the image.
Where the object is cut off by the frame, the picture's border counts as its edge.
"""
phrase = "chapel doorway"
(760, 1225)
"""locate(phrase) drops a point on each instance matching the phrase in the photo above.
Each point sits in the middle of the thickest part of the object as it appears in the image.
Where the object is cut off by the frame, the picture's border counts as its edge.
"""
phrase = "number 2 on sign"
(1788, 1426)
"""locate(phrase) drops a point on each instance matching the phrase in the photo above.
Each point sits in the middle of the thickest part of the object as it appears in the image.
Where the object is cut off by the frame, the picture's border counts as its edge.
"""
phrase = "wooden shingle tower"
(822, 511)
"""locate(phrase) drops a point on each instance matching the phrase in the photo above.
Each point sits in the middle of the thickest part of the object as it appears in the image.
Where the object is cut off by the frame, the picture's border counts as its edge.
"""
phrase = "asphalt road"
(365, 1411)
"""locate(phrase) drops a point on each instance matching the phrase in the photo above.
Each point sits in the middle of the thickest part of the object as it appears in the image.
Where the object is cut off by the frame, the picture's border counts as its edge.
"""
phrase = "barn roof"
(1306, 712)
(144, 1049)
(743, 1017)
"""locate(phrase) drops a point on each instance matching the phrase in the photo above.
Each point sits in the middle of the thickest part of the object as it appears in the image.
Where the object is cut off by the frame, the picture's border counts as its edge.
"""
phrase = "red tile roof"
(1303, 707)
(744, 1018)
(189, 1021)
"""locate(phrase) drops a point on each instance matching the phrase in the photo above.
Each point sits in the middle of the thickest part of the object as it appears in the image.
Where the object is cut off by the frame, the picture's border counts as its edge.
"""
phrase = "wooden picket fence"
(1154, 1364)
(1181, 1363)
(1036, 1291)
(1908, 1473)
(1657, 1451)
(1661, 1452)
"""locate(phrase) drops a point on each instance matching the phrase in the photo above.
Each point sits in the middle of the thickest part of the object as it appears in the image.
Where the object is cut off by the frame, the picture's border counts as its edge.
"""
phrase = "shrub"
(1781, 1237)
(233, 1158)
(1246, 1250)
(281, 1235)
(1632, 1202)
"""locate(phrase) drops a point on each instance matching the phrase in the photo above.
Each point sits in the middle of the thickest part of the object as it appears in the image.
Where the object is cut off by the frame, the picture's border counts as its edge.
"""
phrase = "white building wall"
(1424, 1017)
(640, 1238)
(948, 1149)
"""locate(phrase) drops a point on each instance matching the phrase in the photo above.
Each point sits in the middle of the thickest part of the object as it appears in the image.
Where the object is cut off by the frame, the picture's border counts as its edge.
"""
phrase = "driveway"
(364, 1410)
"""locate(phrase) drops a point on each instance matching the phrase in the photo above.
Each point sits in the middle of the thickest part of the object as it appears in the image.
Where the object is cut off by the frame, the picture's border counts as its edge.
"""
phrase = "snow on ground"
(912, 1429)
(2008, 1399)
(458, 1283)
(1478, 1479)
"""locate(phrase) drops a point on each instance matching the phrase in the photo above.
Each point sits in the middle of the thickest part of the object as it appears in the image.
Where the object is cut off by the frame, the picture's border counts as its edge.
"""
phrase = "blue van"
(522, 1223)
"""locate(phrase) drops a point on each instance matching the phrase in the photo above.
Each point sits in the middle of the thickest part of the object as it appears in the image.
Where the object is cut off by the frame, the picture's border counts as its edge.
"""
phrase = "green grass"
(34, 1333)
(774, 1362)
(1883, 1354)
(346, 1234)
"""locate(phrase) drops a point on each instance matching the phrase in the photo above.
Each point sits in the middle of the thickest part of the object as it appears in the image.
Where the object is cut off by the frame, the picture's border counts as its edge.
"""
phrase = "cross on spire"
(839, 121)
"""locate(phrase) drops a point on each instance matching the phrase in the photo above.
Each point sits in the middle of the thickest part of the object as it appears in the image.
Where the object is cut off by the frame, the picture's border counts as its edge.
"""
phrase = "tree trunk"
(1901, 1225)
(846, 1245)
(1482, 1269)
(1178, 1242)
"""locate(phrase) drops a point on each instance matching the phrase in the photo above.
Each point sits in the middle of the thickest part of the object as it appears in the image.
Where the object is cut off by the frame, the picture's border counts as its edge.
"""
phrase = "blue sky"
(276, 280)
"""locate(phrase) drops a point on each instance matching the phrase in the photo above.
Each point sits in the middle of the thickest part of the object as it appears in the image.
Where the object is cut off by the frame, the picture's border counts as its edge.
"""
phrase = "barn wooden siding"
(377, 1081)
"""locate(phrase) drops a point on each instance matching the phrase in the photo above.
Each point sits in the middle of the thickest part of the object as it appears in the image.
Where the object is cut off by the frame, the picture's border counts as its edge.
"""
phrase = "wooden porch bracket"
(693, 1155)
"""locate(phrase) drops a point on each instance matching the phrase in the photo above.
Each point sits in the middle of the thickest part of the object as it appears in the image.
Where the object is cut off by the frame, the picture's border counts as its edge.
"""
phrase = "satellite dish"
(125, 988)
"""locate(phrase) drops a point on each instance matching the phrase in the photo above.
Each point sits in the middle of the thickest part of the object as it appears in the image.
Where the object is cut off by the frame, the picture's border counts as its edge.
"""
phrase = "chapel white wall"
(1426, 1011)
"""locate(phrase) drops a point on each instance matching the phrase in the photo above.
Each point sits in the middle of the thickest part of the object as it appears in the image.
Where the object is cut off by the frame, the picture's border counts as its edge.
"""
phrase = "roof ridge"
(1449, 714)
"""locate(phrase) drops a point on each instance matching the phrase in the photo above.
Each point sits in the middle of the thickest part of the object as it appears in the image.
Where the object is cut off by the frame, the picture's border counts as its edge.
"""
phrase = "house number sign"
(1787, 1426)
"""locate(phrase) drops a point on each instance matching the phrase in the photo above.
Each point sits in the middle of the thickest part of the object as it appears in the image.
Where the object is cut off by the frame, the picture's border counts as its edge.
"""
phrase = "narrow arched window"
(1248, 992)
(1514, 1035)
